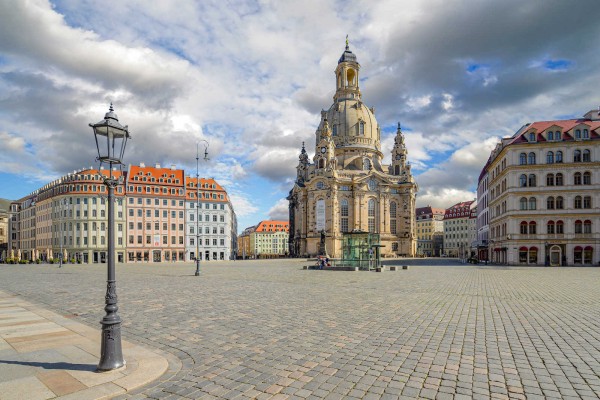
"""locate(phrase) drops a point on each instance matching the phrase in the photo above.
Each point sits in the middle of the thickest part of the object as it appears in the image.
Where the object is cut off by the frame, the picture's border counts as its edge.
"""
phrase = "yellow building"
(347, 187)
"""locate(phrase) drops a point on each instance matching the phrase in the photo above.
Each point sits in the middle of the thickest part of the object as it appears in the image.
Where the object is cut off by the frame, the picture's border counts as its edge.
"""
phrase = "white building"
(460, 229)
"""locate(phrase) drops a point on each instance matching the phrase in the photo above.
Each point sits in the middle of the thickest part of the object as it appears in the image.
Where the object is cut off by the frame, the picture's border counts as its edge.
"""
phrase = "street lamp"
(197, 273)
(110, 133)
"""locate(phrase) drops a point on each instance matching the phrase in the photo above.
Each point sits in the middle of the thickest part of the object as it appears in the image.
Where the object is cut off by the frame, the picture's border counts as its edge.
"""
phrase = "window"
(532, 136)
(586, 134)
(523, 203)
(587, 202)
(577, 156)
(578, 227)
(586, 156)
(577, 202)
(523, 159)
(371, 215)
(550, 135)
(577, 178)
(559, 203)
(587, 226)
(559, 179)
(550, 227)
(577, 133)
(532, 158)
(550, 180)
(550, 157)
(344, 215)
(532, 228)
(550, 203)
(587, 178)
(560, 227)
(559, 157)
(366, 164)
(532, 180)
(523, 228)
(523, 180)
(532, 203)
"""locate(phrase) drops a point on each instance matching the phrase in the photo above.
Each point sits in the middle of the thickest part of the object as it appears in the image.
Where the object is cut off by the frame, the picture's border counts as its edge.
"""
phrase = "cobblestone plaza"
(268, 329)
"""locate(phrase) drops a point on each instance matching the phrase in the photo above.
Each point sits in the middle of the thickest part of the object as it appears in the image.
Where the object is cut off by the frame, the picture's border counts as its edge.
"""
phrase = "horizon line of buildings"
(160, 215)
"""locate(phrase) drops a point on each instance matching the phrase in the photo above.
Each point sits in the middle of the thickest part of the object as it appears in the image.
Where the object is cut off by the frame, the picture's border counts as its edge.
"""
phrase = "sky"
(251, 77)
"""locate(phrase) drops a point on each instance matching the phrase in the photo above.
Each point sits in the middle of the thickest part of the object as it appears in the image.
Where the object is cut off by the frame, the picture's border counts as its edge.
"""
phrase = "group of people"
(323, 262)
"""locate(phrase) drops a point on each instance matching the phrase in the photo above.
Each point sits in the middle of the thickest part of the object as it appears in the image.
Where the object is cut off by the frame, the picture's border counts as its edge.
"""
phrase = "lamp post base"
(111, 354)
(197, 273)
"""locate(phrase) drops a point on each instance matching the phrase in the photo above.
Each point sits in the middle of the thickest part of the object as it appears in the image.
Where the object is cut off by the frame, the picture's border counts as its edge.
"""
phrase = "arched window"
(523, 159)
(532, 180)
(559, 203)
(578, 202)
(586, 134)
(550, 227)
(396, 170)
(587, 178)
(371, 215)
(550, 180)
(393, 225)
(587, 226)
(577, 178)
(334, 130)
(531, 158)
(523, 180)
(361, 128)
(550, 157)
(550, 203)
(533, 253)
(588, 253)
(577, 156)
(532, 203)
(557, 135)
(578, 255)
(523, 228)
(560, 227)
(550, 135)
(587, 155)
(523, 203)
(578, 226)
(559, 157)
(532, 136)
(587, 202)
(577, 133)
(366, 164)
(532, 228)
(559, 179)
(344, 215)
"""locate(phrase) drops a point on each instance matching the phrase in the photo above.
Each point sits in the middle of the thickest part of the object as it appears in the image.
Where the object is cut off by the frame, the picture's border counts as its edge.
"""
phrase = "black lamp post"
(197, 273)
(111, 139)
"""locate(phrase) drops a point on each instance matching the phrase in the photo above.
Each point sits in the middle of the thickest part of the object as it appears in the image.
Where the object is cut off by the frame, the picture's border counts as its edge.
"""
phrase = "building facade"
(460, 229)
(347, 187)
(211, 223)
(270, 239)
(544, 185)
(430, 220)
(483, 217)
(68, 218)
(4, 227)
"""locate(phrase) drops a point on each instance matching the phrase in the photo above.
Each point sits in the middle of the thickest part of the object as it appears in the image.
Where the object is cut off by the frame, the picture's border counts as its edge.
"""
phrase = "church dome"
(353, 124)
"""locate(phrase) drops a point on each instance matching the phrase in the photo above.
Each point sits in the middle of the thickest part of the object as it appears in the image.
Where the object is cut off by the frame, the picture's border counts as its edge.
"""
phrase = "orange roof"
(162, 176)
(273, 226)
(566, 125)
(208, 188)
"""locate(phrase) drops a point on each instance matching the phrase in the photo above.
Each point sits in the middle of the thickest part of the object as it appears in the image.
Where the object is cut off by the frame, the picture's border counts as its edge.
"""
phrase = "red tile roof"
(273, 226)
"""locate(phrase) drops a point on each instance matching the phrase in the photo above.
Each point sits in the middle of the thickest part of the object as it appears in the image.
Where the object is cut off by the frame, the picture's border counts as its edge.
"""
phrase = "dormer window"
(586, 134)
(577, 133)
(532, 136)
(557, 136)
(550, 135)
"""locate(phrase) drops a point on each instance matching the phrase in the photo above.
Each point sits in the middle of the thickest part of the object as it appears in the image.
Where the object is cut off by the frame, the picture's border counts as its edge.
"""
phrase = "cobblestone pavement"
(268, 329)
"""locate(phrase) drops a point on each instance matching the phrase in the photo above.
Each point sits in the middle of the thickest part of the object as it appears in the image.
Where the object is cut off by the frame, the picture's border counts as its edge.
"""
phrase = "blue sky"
(251, 77)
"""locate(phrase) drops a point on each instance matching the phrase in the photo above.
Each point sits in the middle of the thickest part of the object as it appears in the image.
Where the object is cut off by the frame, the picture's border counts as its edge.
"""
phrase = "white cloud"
(280, 211)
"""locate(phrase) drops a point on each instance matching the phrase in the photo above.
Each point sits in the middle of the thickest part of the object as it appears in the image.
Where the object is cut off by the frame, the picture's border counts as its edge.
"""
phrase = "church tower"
(347, 188)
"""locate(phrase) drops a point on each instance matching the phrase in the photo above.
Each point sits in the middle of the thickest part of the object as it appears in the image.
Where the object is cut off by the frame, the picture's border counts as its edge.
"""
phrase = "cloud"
(280, 211)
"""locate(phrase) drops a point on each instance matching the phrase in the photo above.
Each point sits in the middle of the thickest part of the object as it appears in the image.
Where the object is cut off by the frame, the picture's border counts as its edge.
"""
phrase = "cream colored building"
(544, 191)
(347, 187)
(430, 220)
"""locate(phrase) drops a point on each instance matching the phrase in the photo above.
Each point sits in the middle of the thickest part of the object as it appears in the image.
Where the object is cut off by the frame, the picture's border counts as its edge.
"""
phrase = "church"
(347, 189)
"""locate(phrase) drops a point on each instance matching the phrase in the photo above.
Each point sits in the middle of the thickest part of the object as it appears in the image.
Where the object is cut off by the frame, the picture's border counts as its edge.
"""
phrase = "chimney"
(142, 165)
(157, 165)
(173, 167)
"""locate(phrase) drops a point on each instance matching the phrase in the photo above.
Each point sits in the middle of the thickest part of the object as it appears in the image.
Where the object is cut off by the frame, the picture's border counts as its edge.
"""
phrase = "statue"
(322, 245)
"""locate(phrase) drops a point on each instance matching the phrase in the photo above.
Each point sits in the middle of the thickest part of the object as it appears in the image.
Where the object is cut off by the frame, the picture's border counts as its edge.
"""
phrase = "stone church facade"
(346, 188)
